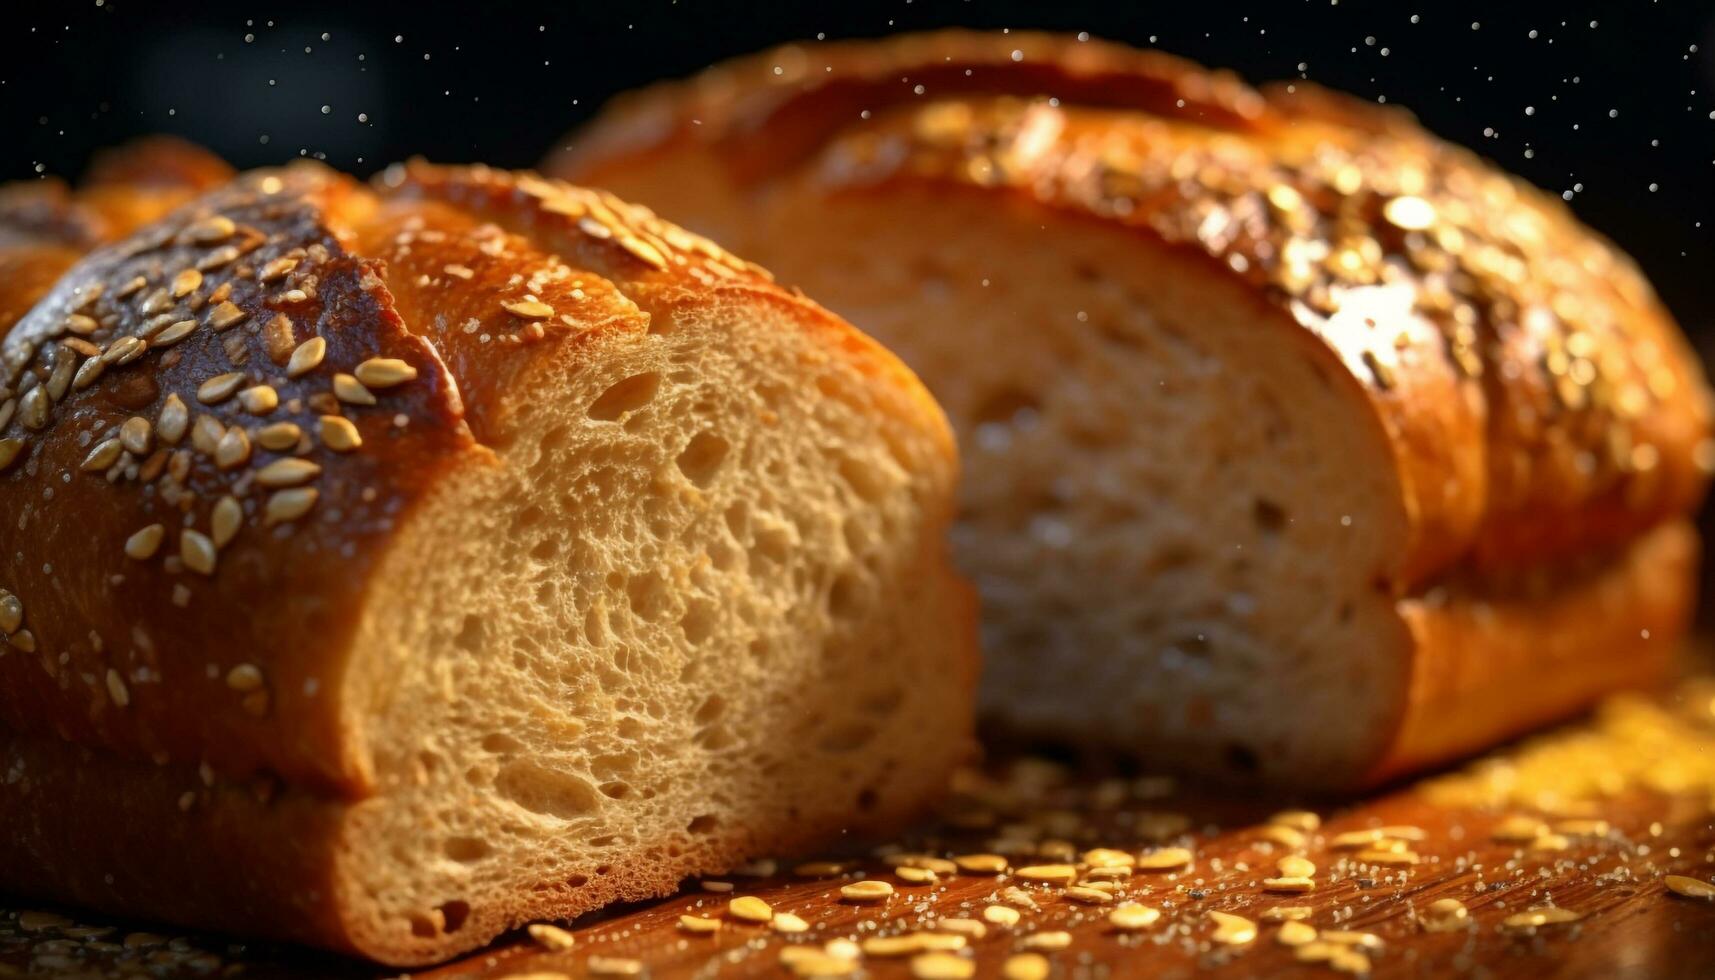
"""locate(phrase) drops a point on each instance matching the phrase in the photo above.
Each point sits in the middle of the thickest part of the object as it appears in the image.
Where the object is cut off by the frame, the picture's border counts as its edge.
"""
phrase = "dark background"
(1609, 104)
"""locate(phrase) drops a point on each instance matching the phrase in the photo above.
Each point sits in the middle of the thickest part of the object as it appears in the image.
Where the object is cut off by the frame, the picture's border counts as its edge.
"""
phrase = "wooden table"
(1631, 790)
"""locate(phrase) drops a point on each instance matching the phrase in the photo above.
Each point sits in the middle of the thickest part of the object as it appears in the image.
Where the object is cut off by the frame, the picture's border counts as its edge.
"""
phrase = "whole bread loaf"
(387, 566)
(1297, 441)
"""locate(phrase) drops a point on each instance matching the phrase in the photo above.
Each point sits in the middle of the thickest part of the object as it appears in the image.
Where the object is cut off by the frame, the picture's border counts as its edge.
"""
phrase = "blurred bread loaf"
(1297, 441)
(387, 566)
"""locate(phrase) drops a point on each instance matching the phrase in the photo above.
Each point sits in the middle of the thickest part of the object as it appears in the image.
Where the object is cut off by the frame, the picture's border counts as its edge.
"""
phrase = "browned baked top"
(210, 429)
(1541, 401)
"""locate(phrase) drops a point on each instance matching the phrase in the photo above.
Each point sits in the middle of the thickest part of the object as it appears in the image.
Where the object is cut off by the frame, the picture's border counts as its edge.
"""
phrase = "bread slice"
(513, 553)
(1297, 442)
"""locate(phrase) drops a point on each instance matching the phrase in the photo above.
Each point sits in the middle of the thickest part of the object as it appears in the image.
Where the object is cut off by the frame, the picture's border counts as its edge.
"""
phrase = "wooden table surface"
(1631, 791)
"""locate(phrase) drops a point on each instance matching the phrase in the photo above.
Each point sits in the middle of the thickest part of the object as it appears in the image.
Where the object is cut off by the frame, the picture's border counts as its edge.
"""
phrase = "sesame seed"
(1290, 883)
(1287, 913)
(279, 436)
(1026, 966)
(289, 505)
(980, 864)
(1342, 937)
(786, 922)
(807, 961)
(259, 399)
(233, 449)
(9, 450)
(1293, 866)
(529, 309)
(11, 612)
(206, 434)
(197, 551)
(1106, 857)
(643, 250)
(1283, 835)
(699, 924)
(969, 928)
(351, 391)
(156, 302)
(244, 678)
(749, 908)
(124, 350)
(1231, 930)
(130, 288)
(1532, 919)
(225, 520)
(136, 435)
(143, 544)
(1165, 859)
(287, 472)
(613, 966)
(1445, 915)
(385, 372)
(1130, 918)
(116, 688)
(186, 282)
(33, 408)
(88, 372)
(1001, 915)
(1303, 821)
(903, 945)
(1551, 842)
(219, 388)
(550, 937)
(942, 966)
(1688, 887)
(306, 357)
(1056, 874)
(103, 455)
(1087, 896)
(81, 324)
(1294, 933)
(1046, 941)
(24, 640)
(338, 433)
(1519, 829)
(226, 315)
(1388, 858)
(211, 230)
(915, 876)
(866, 891)
(174, 333)
(277, 269)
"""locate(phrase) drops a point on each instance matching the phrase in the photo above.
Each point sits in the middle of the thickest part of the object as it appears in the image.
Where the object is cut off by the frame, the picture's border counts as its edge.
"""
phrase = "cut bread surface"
(678, 619)
(1171, 510)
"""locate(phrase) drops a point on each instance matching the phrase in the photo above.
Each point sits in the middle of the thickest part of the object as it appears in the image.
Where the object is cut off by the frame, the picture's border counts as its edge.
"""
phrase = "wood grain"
(1645, 766)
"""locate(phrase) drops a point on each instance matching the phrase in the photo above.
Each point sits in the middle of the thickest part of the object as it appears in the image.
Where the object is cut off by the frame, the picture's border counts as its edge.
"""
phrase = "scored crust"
(1518, 401)
(429, 557)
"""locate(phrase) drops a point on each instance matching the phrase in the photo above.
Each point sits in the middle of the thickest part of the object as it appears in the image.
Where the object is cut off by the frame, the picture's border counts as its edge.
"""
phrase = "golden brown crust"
(1541, 402)
(194, 684)
(1504, 658)
(185, 333)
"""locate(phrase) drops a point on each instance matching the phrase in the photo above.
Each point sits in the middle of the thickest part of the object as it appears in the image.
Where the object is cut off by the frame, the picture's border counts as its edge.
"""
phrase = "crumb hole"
(626, 396)
(702, 457)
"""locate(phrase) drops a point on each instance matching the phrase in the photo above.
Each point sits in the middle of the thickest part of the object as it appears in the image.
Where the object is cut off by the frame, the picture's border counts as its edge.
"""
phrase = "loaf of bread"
(1297, 442)
(387, 566)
